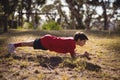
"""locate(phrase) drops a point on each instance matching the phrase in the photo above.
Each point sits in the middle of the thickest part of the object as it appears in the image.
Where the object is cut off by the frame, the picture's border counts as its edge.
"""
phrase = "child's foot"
(11, 48)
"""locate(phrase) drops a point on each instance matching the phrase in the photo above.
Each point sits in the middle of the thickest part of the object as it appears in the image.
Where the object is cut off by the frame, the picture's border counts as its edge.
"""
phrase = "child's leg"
(11, 47)
(22, 44)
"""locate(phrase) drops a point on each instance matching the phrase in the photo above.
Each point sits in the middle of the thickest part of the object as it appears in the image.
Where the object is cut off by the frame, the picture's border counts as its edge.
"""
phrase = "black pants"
(37, 44)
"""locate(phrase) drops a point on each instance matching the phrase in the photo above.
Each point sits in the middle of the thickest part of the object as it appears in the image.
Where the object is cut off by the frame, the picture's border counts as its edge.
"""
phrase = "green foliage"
(51, 26)
(27, 25)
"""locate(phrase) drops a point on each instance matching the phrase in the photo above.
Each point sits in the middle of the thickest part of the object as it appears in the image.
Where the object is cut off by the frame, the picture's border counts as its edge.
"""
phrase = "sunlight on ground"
(33, 64)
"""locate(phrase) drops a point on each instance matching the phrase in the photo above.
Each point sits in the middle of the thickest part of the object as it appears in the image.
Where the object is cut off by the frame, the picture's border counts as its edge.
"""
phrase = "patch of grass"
(65, 77)
(1, 49)
(41, 76)
(23, 64)
(104, 64)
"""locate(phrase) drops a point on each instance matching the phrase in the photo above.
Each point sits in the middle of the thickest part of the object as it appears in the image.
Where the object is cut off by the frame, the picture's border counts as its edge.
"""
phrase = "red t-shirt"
(58, 44)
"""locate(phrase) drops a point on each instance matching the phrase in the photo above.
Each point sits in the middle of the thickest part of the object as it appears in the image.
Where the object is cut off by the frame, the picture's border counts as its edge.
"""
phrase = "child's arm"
(86, 54)
(75, 55)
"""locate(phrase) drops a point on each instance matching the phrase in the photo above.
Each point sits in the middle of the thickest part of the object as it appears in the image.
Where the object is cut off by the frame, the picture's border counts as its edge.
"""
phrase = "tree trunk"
(76, 14)
(20, 18)
(62, 14)
(79, 23)
(105, 15)
(5, 24)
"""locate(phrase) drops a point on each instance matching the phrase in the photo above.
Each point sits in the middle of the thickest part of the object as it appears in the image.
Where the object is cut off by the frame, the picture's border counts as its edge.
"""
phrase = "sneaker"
(11, 48)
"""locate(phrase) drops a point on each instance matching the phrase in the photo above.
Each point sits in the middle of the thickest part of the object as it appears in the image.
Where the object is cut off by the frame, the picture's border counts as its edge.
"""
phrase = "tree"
(63, 19)
(90, 10)
(75, 7)
(31, 8)
(116, 5)
(27, 5)
(104, 5)
(9, 7)
(48, 10)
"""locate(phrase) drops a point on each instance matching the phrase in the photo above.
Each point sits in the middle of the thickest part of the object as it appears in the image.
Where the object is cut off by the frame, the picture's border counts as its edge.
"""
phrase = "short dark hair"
(80, 35)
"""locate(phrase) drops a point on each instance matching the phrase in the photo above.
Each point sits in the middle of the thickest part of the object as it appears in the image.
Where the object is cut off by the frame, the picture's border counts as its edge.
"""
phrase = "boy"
(57, 44)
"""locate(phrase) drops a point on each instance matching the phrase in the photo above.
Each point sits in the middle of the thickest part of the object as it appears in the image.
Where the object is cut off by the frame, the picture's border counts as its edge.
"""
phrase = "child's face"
(81, 42)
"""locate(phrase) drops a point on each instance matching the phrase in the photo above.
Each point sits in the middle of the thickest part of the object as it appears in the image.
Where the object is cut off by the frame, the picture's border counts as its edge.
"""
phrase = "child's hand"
(87, 55)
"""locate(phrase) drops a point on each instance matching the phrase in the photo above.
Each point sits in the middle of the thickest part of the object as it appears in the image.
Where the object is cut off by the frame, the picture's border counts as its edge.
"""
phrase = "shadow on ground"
(52, 62)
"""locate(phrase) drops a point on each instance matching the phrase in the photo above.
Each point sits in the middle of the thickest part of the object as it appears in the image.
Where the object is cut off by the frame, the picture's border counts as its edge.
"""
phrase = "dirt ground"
(30, 64)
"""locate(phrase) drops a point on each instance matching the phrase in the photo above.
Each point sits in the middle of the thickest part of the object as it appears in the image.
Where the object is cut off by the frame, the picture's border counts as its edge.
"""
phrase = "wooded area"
(13, 13)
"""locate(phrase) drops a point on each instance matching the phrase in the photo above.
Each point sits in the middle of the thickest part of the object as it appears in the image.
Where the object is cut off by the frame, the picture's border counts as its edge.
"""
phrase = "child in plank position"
(57, 44)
